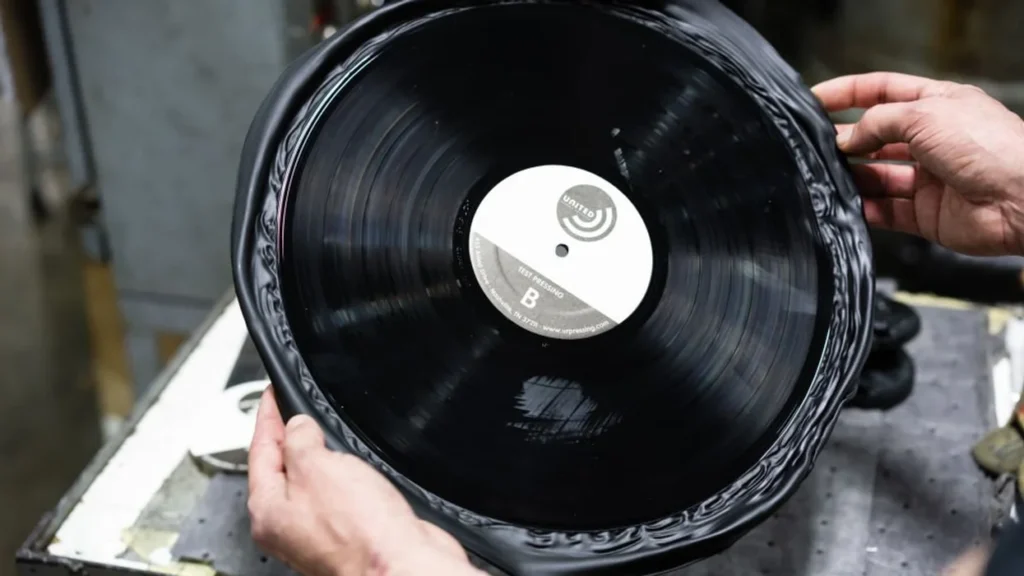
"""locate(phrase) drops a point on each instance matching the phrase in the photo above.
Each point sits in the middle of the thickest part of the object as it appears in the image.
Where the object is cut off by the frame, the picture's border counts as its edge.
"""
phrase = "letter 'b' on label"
(530, 298)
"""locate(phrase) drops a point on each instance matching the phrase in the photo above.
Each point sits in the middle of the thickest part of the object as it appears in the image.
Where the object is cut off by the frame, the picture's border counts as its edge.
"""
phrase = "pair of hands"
(961, 185)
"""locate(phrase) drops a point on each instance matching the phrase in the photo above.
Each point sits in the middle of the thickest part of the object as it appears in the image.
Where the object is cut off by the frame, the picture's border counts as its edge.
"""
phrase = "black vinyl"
(641, 449)
(522, 428)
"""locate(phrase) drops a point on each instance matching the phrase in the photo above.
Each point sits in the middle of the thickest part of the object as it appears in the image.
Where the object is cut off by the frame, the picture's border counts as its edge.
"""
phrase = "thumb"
(303, 437)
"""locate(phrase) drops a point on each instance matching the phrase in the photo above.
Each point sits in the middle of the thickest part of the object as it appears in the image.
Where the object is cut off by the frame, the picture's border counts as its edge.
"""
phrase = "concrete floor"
(48, 417)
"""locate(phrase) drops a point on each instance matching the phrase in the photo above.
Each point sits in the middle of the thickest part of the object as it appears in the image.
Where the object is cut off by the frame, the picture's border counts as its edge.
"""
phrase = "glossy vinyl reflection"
(609, 431)
(664, 438)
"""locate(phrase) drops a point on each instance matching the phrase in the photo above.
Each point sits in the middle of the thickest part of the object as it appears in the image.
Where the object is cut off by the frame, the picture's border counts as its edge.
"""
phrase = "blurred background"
(121, 124)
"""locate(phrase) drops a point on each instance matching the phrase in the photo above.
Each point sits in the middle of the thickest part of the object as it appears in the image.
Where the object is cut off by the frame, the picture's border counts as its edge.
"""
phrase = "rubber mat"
(893, 493)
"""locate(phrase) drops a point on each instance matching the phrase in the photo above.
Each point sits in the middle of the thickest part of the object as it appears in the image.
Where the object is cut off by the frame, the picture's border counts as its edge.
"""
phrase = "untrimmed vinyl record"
(587, 281)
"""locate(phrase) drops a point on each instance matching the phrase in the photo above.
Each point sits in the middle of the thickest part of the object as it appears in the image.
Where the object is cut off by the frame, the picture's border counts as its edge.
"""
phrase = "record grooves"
(591, 300)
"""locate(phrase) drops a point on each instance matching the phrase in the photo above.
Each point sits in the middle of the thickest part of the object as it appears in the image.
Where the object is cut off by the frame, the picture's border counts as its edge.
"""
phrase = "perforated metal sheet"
(218, 533)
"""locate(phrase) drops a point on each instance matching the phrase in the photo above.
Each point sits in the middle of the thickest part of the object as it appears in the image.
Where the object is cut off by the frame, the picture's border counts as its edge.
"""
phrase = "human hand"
(963, 187)
(330, 514)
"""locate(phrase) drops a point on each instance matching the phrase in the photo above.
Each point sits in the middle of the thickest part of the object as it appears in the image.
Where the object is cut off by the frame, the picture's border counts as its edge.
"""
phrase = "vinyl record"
(587, 281)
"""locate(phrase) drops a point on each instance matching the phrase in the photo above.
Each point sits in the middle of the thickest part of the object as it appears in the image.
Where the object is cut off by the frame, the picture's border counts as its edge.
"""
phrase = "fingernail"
(298, 421)
(843, 137)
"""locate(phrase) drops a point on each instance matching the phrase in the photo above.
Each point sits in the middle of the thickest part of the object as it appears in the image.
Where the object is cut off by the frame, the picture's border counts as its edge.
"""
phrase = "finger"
(899, 152)
(880, 125)
(896, 214)
(867, 90)
(886, 180)
(303, 437)
(266, 461)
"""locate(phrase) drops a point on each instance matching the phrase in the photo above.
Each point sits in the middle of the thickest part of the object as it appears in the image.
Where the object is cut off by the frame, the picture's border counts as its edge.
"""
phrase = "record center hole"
(561, 250)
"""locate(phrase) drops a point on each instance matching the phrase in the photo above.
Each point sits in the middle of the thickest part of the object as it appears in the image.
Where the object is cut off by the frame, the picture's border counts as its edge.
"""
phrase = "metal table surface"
(893, 493)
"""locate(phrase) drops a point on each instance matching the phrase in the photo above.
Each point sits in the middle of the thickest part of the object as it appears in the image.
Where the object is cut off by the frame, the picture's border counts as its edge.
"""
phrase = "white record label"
(561, 252)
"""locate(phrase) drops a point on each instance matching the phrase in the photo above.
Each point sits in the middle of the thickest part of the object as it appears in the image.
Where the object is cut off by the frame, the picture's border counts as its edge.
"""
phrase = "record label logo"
(586, 213)
(552, 276)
